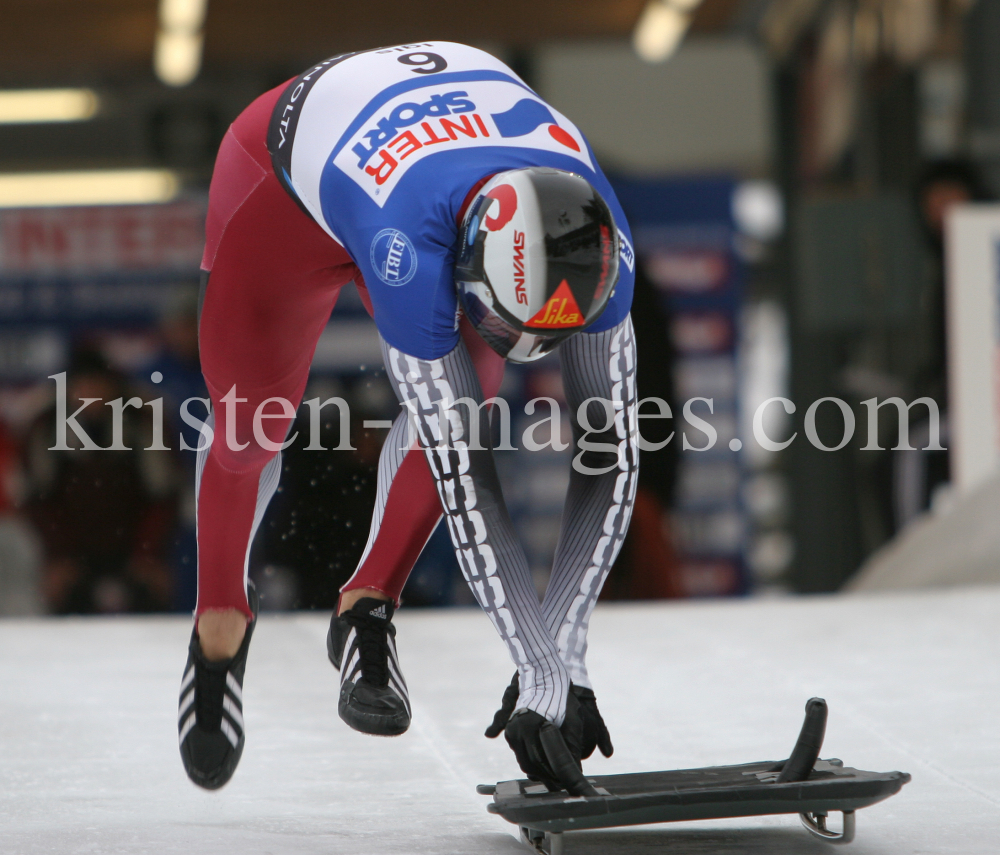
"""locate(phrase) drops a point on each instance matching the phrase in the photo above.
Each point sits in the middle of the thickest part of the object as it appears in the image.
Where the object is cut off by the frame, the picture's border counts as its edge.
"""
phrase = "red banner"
(109, 239)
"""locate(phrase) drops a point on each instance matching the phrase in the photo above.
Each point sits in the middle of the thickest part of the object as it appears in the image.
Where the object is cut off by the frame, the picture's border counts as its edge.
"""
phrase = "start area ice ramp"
(89, 762)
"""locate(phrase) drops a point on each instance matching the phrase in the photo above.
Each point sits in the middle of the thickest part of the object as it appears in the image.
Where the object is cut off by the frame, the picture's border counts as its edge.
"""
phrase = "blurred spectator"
(942, 185)
(176, 371)
(647, 566)
(317, 524)
(916, 475)
(436, 579)
(20, 553)
(103, 516)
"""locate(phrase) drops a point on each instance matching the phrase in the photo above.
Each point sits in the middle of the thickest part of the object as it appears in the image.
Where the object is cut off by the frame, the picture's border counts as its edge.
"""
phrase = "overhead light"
(90, 187)
(758, 209)
(186, 15)
(28, 106)
(661, 27)
(177, 57)
(179, 41)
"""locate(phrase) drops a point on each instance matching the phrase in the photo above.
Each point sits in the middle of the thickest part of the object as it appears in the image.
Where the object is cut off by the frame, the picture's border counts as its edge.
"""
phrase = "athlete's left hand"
(507, 704)
(595, 731)
(548, 753)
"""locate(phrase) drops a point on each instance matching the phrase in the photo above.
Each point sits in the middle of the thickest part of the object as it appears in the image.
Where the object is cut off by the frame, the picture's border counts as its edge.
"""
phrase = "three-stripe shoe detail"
(373, 694)
(210, 726)
(231, 723)
(355, 671)
(232, 706)
(396, 680)
(187, 701)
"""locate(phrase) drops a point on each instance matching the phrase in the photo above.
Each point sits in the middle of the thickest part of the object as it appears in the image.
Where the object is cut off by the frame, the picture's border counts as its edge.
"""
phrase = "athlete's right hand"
(595, 731)
(548, 753)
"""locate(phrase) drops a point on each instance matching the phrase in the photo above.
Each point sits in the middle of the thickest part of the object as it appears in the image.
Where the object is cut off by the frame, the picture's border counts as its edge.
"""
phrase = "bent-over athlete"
(477, 226)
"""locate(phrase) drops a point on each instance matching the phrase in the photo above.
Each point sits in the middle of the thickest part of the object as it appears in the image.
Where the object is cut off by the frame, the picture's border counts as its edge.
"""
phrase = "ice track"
(89, 762)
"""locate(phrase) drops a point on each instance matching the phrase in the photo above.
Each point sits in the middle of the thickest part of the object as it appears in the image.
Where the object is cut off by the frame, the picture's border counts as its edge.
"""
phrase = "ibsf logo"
(393, 257)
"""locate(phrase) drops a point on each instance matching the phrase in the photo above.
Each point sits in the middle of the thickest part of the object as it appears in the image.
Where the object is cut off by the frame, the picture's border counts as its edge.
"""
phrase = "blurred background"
(808, 184)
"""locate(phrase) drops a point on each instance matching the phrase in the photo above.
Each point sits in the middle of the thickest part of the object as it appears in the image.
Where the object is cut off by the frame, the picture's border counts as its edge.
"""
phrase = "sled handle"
(806, 751)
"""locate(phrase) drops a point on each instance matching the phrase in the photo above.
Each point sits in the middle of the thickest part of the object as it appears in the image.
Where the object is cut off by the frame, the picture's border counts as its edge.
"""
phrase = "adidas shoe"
(210, 715)
(373, 696)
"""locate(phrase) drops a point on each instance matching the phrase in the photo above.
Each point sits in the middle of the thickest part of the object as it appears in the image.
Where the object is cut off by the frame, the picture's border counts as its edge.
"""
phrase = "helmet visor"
(508, 341)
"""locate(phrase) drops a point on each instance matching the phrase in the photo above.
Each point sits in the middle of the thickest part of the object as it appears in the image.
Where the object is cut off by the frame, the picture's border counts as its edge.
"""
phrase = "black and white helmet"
(537, 260)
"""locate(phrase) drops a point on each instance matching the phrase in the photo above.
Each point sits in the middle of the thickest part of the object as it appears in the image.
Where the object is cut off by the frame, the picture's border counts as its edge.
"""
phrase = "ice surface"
(89, 763)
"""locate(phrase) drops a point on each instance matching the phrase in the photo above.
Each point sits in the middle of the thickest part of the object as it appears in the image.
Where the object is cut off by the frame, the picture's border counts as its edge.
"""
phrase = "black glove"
(548, 753)
(507, 704)
(595, 732)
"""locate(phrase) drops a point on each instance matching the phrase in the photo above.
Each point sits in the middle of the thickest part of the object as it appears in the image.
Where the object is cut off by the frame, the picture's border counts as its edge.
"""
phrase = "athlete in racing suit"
(362, 170)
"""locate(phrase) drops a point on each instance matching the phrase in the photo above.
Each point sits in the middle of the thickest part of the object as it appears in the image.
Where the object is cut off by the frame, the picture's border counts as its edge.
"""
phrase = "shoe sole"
(364, 722)
(221, 777)
(371, 723)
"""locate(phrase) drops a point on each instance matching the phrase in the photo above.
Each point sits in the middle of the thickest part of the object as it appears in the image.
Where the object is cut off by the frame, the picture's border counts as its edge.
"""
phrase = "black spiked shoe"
(361, 644)
(210, 714)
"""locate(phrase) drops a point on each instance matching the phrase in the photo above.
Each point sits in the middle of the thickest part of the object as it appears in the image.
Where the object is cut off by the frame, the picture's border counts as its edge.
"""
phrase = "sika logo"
(393, 257)
(560, 310)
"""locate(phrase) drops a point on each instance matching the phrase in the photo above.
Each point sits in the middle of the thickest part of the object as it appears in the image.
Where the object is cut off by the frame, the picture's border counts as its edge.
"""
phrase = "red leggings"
(275, 277)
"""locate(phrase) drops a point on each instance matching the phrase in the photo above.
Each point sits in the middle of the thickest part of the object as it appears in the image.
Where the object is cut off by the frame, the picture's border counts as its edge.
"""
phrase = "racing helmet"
(536, 261)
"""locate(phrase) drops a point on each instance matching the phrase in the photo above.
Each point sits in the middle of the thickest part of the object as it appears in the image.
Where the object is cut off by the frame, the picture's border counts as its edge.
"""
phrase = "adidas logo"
(379, 612)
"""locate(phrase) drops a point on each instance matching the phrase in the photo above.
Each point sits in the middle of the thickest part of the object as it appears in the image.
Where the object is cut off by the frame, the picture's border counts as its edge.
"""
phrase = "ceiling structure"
(64, 41)
(249, 46)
